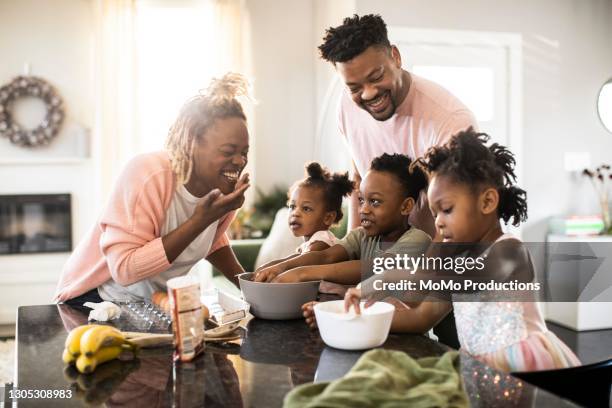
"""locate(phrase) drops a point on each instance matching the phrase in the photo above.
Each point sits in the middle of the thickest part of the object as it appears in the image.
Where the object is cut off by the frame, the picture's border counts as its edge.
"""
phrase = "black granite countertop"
(273, 357)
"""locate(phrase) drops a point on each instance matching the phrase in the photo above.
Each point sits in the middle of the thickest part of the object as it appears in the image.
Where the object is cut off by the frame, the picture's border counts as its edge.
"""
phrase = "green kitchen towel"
(384, 378)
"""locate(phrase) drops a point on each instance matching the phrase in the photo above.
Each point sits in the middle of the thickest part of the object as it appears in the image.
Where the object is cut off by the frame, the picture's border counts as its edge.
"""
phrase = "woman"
(169, 209)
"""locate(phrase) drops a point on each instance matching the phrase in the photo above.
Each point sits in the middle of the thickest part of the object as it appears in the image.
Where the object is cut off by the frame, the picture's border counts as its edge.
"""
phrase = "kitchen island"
(271, 359)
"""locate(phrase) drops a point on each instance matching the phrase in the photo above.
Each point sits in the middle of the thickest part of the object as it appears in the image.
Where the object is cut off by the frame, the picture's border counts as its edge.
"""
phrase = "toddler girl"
(315, 204)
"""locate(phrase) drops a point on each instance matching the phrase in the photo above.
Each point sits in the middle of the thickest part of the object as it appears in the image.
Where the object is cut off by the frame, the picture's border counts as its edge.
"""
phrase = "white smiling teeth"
(232, 175)
(378, 102)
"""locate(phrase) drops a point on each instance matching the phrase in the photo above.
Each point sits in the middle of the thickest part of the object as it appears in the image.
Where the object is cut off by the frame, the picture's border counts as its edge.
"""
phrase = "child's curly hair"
(335, 186)
(354, 36)
(218, 101)
(412, 178)
(468, 160)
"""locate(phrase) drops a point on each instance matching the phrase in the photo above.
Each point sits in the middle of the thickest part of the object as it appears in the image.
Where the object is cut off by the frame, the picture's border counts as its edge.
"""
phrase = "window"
(175, 50)
(472, 85)
(483, 69)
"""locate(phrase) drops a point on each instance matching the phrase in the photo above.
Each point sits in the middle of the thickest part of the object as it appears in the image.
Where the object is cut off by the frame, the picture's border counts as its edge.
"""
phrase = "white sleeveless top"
(181, 207)
(324, 236)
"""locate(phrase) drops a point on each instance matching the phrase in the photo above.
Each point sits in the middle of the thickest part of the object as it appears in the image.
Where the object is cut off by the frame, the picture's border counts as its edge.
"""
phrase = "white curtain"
(231, 25)
(115, 124)
(118, 126)
(233, 53)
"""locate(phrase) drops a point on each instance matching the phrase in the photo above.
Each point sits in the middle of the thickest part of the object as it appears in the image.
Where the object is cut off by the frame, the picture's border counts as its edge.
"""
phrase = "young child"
(470, 189)
(315, 204)
(387, 195)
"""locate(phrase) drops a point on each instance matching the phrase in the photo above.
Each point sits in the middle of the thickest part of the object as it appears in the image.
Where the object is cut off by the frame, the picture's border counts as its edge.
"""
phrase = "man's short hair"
(353, 37)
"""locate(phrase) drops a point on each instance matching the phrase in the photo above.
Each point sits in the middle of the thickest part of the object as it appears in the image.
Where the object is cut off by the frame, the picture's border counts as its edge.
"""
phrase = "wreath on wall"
(44, 132)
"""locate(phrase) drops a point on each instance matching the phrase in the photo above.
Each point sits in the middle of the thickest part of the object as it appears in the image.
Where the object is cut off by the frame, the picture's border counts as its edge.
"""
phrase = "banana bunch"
(90, 345)
(97, 387)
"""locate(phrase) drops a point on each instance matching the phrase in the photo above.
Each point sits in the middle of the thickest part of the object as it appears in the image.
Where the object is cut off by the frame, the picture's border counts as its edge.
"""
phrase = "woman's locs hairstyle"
(335, 186)
(218, 101)
(468, 160)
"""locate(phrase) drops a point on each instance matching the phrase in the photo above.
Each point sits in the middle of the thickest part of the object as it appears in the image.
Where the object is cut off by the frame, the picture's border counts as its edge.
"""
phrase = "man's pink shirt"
(428, 116)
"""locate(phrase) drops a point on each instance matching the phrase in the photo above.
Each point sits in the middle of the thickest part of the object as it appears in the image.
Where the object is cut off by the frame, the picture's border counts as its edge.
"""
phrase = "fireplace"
(35, 223)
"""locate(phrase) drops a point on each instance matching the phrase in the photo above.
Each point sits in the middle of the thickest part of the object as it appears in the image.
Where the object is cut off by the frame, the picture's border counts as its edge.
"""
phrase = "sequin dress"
(509, 336)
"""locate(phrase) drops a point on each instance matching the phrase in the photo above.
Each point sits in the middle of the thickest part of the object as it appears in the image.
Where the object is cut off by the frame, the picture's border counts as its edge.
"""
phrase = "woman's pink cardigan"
(125, 244)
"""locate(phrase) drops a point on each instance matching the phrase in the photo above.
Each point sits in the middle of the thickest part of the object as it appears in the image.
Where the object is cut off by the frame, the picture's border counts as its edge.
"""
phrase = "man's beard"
(392, 107)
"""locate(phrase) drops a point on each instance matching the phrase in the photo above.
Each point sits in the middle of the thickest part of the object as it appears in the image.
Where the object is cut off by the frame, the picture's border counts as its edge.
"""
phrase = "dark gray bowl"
(277, 301)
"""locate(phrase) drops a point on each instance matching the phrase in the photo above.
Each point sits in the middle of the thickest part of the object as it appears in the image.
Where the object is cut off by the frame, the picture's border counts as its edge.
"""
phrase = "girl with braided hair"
(169, 209)
(470, 189)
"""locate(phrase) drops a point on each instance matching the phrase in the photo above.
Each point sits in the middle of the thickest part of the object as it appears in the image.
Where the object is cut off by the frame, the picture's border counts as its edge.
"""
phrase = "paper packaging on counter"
(225, 308)
(103, 311)
(186, 312)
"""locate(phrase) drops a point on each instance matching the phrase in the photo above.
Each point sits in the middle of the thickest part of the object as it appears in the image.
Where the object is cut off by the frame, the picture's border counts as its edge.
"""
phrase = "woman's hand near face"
(216, 204)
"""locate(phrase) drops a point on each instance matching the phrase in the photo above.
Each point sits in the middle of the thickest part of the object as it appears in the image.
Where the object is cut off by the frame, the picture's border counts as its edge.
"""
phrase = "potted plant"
(600, 178)
(256, 221)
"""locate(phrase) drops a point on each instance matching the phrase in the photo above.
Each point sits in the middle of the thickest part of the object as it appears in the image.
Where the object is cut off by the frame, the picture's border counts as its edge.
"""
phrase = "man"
(386, 109)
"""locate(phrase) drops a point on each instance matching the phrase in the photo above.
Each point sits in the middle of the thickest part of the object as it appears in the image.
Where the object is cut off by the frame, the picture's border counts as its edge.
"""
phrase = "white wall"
(291, 83)
(55, 38)
(284, 87)
(567, 56)
(329, 148)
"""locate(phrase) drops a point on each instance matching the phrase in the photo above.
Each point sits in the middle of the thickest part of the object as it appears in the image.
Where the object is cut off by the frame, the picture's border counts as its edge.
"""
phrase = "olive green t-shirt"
(358, 245)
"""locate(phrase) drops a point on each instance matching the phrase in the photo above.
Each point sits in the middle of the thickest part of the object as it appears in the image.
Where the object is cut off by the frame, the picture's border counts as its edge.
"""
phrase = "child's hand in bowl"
(352, 297)
(268, 274)
(309, 316)
(299, 274)
(291, 276)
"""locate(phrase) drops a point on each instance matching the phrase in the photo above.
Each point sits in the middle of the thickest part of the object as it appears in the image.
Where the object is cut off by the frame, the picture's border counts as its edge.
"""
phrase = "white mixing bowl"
(348, 331)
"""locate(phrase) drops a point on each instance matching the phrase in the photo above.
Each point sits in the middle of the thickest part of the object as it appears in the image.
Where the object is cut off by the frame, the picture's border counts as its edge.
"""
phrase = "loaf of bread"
(160, 299)
(205, 313)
